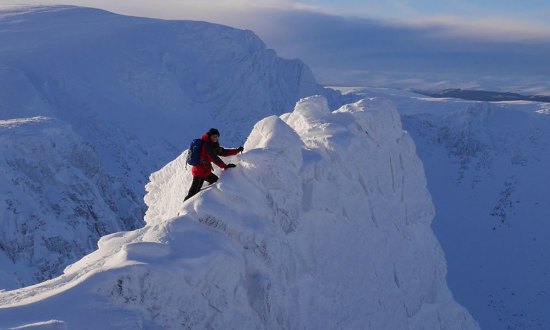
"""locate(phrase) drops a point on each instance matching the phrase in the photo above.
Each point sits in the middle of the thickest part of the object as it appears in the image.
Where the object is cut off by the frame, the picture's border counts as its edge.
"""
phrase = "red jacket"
(210, 153)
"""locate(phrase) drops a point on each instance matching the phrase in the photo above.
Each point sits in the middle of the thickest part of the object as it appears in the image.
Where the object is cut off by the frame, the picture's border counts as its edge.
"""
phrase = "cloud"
(343, 50)
(489, 28)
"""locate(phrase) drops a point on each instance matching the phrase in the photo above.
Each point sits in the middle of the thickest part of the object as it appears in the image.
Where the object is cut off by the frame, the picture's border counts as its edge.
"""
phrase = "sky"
(524, 14)
(423, 44)
(529, 17)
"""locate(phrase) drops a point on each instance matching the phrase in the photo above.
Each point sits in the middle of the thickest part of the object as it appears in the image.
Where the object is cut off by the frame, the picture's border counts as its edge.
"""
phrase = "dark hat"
(213, 131)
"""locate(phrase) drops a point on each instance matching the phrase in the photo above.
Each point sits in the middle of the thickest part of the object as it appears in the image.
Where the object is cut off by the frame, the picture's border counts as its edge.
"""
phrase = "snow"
(487, 171)
(52, 207)
(52, 324)
(127, 94)
(324, 223)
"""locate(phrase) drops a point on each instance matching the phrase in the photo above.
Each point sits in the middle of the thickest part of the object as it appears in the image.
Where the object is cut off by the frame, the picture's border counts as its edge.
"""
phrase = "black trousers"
(196, 185)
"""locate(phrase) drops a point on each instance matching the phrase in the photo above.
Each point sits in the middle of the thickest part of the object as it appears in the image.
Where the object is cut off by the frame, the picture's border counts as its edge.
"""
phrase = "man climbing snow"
(209, 153)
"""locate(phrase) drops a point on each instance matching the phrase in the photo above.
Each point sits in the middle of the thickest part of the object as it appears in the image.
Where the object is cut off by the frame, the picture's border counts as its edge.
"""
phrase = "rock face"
(325, 223)
(132, 92)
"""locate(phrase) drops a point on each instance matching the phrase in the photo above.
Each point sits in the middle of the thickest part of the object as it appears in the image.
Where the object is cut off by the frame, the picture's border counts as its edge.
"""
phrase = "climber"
(210, 151)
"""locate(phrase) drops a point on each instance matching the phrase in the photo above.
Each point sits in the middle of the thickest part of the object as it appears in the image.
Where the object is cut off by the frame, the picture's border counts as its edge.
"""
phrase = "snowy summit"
(325, 223)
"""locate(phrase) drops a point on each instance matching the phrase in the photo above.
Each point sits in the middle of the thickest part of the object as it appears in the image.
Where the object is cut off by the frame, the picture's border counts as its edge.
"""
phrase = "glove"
(240, 149)
(230, 166)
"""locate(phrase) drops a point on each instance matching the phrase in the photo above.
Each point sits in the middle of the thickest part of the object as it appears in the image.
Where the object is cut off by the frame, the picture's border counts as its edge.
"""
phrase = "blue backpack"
(194, 152)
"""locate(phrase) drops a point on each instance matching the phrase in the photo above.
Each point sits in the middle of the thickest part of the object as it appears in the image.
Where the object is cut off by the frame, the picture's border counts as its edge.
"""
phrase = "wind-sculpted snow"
(323, 224)
(134, 91)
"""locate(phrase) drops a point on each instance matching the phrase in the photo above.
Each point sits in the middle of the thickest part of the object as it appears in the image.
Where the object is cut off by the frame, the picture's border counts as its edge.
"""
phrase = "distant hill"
(475, 95)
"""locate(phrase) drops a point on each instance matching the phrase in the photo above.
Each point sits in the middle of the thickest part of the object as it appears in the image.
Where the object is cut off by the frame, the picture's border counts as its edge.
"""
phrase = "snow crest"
(133, 91)
(324, 224)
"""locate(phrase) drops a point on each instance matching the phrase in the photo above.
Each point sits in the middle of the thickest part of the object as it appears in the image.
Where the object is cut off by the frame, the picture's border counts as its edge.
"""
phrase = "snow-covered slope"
(324, 224)
(487, 170)
(134, 92)
(85, 64)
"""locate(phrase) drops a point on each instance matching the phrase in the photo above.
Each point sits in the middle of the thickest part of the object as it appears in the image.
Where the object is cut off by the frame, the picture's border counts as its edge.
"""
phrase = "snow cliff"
(493, 205)
(324, 224)
(487, 171)
(131, 92)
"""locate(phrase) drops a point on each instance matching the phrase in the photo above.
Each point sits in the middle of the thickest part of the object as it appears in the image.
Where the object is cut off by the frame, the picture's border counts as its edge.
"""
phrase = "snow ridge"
(133, 92)
(325, 223)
